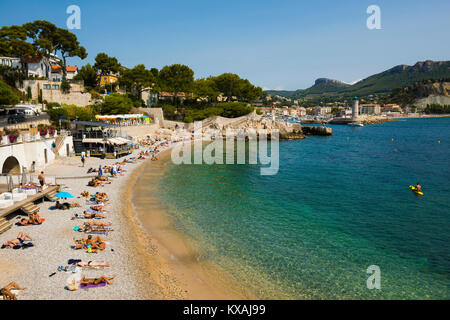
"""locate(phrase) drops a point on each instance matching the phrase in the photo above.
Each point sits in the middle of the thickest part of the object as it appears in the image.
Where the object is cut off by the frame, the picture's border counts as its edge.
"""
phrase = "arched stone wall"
(11, 166)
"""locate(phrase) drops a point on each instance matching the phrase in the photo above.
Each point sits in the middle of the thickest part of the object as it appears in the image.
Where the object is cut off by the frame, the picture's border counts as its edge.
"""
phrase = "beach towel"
(23, 246)
(72, 261)
(87, 286)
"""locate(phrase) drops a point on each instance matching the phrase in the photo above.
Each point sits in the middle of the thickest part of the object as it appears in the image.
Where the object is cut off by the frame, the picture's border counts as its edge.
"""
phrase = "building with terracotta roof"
(57, 72)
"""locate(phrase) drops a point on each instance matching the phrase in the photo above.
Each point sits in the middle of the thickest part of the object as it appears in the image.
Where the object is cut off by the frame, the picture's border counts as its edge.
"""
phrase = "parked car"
(16, 118)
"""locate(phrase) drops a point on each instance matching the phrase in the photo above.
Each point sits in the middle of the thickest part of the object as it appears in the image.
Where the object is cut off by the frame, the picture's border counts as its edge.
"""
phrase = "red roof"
(30, 59)
(57, 68)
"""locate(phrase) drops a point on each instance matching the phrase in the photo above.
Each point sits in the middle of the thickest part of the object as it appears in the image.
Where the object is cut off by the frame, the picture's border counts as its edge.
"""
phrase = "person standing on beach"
(83, 159)
(100, 171)
(41, 179)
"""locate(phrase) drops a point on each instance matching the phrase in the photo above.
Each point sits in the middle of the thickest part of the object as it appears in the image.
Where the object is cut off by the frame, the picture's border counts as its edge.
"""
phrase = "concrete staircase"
(30, 208)
(51, 196)
(5, 225)
(59, 141)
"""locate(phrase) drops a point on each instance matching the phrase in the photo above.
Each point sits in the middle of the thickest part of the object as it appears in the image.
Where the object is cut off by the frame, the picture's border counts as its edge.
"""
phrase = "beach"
(53, 239)
(148, 258)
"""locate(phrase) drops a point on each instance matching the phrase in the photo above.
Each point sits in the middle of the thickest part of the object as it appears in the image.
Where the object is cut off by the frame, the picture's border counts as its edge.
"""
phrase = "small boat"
(355, 124)
(414, 189)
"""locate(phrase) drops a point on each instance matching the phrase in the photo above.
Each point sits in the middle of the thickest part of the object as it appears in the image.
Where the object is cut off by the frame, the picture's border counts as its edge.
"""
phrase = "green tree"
(13, 44)
(137, 80)
(87, 74)
(29, 94)
(65, 86)
(117, 104)
(206, 88)
(42, 34)
(106, 64)
(67, 44)
(231, 84)
(176, 78)
(7, 95)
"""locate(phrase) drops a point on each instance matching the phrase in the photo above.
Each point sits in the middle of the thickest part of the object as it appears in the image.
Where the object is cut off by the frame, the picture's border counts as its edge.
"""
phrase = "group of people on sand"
(98, 181)
(34, 219)
(96, 209)
(66, 205)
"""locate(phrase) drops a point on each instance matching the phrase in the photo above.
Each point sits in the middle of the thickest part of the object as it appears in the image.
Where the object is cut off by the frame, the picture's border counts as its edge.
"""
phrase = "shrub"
(65, 86)
(7, 95)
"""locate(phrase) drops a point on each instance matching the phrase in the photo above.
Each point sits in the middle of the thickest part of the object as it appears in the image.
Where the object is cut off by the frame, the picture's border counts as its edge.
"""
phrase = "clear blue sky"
(276, 44)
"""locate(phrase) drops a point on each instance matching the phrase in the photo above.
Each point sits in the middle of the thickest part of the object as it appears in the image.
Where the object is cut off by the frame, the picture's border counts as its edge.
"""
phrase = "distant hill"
(384, 82)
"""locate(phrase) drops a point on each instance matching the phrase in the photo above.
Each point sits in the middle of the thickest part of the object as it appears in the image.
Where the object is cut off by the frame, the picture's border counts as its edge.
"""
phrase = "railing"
(30, 177)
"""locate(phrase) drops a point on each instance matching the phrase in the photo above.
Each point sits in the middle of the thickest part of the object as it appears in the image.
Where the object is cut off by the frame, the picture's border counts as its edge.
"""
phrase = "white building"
(301, 112)
(322, 110)
(10, 62)
(37, 66)
(57, 72)
(31, 152)
(370, 109)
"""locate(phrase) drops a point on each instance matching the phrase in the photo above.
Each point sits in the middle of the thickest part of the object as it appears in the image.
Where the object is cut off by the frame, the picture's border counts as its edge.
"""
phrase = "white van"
(29, 111)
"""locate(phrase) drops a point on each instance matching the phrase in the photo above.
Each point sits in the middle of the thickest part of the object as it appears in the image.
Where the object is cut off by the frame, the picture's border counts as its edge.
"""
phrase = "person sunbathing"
(92, 264)
(6, 291)
(23, 222)
(98, 208)
(85, 194)
(35, 218)
(93, 215)
(87, 281)
(101, 224)
(73, 205)
(61, 206)
(93, 183)
(21, 237)
(96, 243)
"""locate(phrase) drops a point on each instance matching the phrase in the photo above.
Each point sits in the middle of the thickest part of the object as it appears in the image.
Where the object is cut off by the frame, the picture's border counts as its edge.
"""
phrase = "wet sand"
(173, 262)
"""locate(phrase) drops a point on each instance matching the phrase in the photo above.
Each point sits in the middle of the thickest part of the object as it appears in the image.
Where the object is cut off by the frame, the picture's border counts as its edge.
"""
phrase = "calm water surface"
(337, 205)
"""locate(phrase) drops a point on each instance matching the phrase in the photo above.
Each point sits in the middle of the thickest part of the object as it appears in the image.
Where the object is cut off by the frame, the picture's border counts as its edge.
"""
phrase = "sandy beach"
(148, 257)
(53, 239)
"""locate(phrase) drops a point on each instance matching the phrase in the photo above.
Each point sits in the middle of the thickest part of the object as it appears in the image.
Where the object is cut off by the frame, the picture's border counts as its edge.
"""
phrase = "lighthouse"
(355, 109)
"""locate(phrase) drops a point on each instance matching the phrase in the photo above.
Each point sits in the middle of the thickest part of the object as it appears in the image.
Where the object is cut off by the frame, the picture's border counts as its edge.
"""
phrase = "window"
(55, 86)
(46, 86)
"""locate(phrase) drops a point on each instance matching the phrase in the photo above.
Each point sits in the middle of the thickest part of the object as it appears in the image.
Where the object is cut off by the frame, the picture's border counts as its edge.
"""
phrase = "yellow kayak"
(414, 189)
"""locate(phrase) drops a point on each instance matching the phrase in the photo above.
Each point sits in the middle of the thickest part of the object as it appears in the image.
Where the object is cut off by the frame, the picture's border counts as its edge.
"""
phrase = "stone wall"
(77, 96)
(29, 149)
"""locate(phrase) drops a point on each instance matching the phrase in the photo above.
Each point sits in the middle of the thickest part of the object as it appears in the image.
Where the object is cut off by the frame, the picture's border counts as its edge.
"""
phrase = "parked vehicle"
(16, 118)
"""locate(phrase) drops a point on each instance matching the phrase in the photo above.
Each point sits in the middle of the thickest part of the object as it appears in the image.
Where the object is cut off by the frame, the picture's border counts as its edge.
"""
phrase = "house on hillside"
(10, 62)
(57, 72)
(109, 79)
(38, 67)
(168, 96)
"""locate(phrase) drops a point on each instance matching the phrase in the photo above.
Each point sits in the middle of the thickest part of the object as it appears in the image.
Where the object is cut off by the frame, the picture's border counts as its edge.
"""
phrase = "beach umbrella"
(64, 195)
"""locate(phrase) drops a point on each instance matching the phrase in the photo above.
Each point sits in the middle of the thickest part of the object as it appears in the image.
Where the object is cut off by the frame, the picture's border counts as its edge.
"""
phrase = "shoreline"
(169, 256)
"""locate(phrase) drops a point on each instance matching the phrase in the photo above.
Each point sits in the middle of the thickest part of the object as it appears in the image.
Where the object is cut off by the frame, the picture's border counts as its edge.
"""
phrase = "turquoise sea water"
(338, 205)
